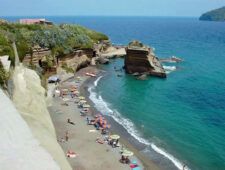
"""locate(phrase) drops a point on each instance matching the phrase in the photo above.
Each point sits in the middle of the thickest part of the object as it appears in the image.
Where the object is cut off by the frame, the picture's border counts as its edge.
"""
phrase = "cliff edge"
(29, 99)
(19, 149)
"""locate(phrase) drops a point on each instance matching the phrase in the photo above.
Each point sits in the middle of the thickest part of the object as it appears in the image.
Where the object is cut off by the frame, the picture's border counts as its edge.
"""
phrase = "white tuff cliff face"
(19, 149)
(29, 99)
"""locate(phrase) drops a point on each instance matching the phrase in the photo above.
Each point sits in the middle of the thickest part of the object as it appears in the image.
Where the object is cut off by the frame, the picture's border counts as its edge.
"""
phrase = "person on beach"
(60, 93)
(70, 122)
(67, 136)
(88, 121)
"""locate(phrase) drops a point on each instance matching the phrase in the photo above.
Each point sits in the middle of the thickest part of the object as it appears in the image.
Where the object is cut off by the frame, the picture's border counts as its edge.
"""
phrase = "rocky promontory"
(140, 59)
(214, 15)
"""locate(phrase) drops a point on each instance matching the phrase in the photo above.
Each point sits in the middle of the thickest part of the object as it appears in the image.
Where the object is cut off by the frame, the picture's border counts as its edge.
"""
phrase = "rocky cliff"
(29, 99)
(19, 149)
(141, 59)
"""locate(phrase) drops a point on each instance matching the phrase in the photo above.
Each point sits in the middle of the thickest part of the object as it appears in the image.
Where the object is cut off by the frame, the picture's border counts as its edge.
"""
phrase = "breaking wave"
(104, 108)
(169, 69)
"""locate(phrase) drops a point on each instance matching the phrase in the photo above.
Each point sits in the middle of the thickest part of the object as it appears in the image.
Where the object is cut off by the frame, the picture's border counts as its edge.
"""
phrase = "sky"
(107, 7)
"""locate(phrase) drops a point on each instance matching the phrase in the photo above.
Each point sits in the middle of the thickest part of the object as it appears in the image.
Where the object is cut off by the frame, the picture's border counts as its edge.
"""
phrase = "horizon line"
(98, 16)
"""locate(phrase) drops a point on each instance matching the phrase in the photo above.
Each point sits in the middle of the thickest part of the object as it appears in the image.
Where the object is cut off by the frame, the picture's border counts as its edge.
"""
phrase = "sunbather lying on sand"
(71, 154)
(100, 141)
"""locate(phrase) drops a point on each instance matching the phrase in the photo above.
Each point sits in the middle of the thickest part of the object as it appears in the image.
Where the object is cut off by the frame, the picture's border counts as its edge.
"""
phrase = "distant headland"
(214, 15)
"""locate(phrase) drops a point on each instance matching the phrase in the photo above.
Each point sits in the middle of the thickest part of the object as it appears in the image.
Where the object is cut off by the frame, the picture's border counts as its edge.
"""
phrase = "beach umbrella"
(115, 137)
(65, 99)
(86, 106)
(57, 91)
(83, 101)
(81, 97)
(127, 153)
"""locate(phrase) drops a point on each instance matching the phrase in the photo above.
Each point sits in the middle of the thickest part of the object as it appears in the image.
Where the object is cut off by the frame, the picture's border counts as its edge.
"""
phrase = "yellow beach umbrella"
(127, 153)
(86, 106)
(114, 137)
(83, 101)
(81, 97)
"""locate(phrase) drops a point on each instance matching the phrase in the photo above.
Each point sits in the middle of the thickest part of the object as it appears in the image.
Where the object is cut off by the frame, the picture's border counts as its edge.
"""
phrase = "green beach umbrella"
(115, 137)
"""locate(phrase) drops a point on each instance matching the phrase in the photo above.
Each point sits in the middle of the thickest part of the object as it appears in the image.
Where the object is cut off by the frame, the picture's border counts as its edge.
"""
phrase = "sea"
(181, 119)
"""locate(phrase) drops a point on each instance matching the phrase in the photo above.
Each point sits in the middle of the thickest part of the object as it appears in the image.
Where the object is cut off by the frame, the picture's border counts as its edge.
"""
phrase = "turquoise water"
(183, 115)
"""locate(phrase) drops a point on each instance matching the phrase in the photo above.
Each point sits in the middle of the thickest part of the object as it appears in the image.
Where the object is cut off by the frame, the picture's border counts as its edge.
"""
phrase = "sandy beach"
(82, 137)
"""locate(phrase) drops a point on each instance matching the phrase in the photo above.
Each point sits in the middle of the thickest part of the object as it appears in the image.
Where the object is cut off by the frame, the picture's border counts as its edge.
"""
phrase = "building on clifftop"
(35, 21)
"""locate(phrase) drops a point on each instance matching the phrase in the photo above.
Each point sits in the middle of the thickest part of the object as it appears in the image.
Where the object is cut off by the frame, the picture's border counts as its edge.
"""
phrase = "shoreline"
(85, 146)
(151, 156)
(126, 138)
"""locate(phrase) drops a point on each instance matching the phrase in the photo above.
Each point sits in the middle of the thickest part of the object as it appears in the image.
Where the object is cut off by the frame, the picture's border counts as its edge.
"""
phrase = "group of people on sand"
(98, 121)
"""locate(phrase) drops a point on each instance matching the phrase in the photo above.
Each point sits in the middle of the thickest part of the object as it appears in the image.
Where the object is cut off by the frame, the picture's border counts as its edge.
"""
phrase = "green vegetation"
(60, 39)
(135, 43)
(67, 68)
(48, 62)
(214, 15)
(4, 76)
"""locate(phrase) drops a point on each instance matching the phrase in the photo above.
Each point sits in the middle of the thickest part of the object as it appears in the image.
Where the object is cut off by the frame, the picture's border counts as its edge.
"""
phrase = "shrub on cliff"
(4, 76)
(136, 43)
(60, 40)
(5, 46)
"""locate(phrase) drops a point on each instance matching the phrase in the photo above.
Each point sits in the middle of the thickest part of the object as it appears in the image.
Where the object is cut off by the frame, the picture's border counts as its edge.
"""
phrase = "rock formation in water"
(214, 15)
(141, 59)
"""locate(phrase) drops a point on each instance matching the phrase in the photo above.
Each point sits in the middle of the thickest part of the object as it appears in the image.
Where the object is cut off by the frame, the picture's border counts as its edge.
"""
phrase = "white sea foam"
(175, 161)
(104, 108)
(169, 69)
(97, 80)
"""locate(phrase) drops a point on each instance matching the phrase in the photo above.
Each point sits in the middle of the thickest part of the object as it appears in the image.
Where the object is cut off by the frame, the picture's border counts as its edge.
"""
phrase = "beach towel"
(136, 168)
(92, 131)
(134, 165)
